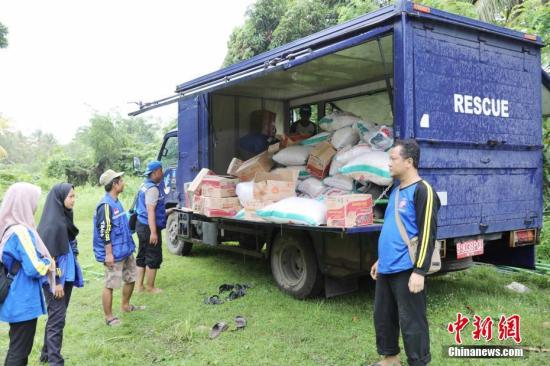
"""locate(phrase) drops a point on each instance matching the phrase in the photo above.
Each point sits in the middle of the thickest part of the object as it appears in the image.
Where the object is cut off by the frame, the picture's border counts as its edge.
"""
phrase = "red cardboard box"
(220, 206)
(349, 210)
(218, 186)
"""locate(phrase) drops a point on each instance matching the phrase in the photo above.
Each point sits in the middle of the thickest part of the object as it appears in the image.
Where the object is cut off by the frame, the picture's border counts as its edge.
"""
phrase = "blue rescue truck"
(469, 92)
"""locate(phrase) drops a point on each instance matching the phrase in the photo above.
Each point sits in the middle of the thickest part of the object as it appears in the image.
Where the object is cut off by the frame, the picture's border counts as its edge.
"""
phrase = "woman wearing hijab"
(58, 231)
(28, 262)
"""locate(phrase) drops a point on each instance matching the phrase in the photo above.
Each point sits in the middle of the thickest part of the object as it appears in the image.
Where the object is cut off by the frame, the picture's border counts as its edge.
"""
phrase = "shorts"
(148, 255)
(124, 270)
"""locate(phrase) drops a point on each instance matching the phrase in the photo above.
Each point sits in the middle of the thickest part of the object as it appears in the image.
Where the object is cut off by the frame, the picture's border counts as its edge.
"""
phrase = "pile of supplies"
(331, 178)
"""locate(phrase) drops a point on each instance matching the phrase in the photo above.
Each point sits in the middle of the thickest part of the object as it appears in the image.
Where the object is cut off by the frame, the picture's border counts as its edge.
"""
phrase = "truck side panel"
(477, 116)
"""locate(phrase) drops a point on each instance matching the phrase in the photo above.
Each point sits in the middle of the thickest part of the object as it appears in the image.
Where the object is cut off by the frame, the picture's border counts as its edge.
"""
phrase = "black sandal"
(213, 300)
(217, 329)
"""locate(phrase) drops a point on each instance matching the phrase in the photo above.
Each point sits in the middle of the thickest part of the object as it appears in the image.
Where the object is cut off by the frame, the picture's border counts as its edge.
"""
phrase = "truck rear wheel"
(294, 266)
(174, 244)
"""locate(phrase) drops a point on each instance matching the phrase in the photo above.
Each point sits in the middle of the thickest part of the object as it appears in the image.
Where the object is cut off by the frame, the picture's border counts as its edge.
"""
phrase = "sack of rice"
(245, 192)
(335, 167)
(381, 139)
(337, 120)
(339, 181)
(330, 191)
(293, 155)
(311, 186)
(295, 210)
(316, 139)
(346, 155)
(363, 128)
(344, 137)
(370, 167)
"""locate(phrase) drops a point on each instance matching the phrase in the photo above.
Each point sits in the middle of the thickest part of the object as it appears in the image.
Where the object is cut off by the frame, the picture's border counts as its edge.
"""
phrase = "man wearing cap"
(114, 246)
(151, 220)
(304, 126)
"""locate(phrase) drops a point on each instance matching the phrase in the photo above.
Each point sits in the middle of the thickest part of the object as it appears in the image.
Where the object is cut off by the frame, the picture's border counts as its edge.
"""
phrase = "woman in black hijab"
(58, 231)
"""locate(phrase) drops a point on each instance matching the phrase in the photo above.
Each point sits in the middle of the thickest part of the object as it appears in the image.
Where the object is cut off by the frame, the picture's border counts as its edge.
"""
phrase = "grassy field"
(173, 330)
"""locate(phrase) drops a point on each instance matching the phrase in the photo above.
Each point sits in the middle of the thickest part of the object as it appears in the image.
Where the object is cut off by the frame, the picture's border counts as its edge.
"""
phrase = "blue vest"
(160, 210)
(121, 238)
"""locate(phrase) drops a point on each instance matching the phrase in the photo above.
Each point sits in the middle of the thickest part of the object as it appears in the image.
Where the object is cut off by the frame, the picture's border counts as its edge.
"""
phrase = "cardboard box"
(220, 207)
(294, 139)
(252, 206)
(275, 186)
(195, 185)
(234, 166)
(218, 186)
(349, 210)
(197, 204)
(259, 163)
(318, 164)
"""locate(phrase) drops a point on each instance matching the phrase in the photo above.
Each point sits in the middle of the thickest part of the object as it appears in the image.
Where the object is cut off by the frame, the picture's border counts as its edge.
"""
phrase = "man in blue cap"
(150, 221)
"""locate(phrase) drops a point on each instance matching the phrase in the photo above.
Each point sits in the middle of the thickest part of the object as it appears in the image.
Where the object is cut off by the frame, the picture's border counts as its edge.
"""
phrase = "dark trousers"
(148, 255)
(53, 334)
(21, 339)
(396, 307)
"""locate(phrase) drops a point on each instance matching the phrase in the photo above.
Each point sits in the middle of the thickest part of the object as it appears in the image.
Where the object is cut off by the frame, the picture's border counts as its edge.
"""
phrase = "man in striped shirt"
(400, 296)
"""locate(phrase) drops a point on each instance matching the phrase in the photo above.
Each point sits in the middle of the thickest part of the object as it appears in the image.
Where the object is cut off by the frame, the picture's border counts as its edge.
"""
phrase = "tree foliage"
(272, 23)
(3, 36)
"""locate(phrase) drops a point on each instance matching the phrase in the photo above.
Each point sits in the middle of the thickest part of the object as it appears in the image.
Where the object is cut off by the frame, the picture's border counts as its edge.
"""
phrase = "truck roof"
(352, 27)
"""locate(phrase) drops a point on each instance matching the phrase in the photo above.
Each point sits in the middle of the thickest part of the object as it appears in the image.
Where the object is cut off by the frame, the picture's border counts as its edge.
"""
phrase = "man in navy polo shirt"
(400, 296)
(151, 220)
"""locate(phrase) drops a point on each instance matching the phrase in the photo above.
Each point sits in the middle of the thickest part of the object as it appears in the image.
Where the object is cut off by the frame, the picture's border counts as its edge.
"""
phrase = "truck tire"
(294, 266)
(173, 243)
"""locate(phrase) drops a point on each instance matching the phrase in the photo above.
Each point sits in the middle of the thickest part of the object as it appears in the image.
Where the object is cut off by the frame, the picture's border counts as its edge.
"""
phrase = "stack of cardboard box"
(213, 195)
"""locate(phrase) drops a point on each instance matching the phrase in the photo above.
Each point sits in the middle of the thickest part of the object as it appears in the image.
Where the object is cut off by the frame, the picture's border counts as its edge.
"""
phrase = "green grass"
(173, 330)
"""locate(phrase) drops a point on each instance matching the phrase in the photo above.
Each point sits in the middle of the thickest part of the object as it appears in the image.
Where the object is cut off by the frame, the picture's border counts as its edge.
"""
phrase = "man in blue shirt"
(151, 219)
(261, 134)
(400, 296)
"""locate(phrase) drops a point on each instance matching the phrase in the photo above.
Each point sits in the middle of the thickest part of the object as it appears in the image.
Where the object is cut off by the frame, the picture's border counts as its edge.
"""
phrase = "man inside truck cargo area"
(261, 134)
(304, 126)
(151, 219)
(400, 295)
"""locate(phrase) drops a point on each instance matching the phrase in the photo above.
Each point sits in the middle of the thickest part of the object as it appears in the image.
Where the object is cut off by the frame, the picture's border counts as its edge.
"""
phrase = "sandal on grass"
(213, 300)
(240, 322)
(217, 329)
(113, 322)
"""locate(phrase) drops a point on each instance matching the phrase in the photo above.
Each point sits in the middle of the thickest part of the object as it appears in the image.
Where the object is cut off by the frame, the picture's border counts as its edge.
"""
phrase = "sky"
(68, 59)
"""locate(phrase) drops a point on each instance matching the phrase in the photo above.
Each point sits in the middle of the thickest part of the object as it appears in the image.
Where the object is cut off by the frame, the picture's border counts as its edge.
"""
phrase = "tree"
(3, 36)
(272, 23)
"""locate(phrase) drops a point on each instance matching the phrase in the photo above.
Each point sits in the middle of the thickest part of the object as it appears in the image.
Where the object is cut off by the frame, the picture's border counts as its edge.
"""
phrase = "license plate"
(469, 248)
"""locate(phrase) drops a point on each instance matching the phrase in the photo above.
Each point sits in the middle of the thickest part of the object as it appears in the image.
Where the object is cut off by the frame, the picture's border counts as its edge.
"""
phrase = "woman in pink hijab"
(28, 262)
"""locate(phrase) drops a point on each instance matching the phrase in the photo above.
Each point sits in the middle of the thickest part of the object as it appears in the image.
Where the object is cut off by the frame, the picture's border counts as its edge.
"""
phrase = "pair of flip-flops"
(218, 328)
(235, 291)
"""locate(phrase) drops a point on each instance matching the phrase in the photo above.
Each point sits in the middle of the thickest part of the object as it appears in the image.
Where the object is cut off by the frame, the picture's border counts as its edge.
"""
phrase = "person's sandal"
(217, 329)
(213, 300)
(113, 322)
(225, 287)
(240, 322)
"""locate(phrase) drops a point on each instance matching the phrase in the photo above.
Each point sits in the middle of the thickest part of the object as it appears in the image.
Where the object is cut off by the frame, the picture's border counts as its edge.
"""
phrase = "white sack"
(293, 155)
(295, 210)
